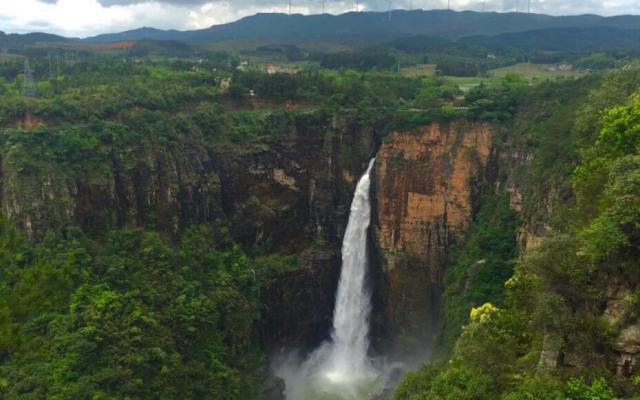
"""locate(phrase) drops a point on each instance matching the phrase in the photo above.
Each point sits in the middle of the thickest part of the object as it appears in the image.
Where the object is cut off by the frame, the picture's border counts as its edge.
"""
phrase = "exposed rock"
(626, 364)
(550, 353)
(425, 187)
(285, 180)
(617, 300)
(627, 347)
(515, 198)
(471, 272)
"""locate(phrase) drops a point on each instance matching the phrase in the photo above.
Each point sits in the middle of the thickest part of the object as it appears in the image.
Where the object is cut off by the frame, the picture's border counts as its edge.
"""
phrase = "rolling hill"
(374, 26)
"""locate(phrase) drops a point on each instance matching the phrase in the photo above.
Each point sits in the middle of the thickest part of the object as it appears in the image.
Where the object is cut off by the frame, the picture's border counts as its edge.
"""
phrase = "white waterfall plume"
(347, 358)
(341, 368)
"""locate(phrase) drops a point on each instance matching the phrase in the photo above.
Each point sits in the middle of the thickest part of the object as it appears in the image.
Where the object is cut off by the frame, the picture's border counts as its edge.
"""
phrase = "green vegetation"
(536, 71)
(555, 300)
(111, 288)
(141, 297)
(130, 316)
(482, 267)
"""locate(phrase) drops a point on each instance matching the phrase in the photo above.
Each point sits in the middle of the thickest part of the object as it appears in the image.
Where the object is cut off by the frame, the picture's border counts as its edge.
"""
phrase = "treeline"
(359, 61)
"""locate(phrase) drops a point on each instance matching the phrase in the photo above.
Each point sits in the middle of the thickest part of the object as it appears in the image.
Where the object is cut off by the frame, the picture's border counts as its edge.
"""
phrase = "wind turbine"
(357, 6)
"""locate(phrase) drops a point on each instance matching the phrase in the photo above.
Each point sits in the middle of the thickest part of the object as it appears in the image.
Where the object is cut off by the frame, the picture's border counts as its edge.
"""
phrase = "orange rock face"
(425, 182)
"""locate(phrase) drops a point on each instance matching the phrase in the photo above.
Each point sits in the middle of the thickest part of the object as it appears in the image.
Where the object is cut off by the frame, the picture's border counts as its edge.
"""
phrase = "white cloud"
(87, 17)
(90, 17)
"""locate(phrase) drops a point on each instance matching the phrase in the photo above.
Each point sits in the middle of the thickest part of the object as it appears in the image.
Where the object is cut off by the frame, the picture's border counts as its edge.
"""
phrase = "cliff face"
(426, 183)
(287, 194)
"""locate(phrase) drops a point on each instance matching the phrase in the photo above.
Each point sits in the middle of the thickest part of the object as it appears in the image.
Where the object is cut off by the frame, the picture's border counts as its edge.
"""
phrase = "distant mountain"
(15, 39)
(375, 26)
(561, 39)
(139, 34)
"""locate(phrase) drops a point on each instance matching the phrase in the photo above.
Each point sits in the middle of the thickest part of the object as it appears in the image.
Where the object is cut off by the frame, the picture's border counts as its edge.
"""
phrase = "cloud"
(80, 18)
(109, 3)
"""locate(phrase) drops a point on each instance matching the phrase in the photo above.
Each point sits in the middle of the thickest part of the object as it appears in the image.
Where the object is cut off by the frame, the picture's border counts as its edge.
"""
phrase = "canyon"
(291, 195)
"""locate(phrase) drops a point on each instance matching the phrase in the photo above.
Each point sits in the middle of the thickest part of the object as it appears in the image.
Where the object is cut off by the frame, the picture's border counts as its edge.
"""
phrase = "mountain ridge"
(383, 25)
(372, 26)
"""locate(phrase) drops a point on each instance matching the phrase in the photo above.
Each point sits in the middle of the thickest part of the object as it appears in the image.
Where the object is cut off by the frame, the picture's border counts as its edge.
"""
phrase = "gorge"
(162, 235)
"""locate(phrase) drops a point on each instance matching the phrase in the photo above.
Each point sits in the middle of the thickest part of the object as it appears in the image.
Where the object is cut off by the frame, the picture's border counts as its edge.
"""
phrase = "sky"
(82, 18)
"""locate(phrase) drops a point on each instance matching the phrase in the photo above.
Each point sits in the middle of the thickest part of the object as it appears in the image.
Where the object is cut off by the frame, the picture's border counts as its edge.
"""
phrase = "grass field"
(417, 71)
(534, 71)
(467, 83)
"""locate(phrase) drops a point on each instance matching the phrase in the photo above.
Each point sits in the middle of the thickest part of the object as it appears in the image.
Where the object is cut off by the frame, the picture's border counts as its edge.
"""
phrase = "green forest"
(172, 213)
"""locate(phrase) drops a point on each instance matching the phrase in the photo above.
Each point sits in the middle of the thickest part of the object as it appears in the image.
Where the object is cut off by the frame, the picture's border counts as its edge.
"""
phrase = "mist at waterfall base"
(341, 368)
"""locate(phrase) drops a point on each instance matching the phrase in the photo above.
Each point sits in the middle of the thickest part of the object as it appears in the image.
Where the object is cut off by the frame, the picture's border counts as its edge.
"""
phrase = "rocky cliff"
(286, 193)
(426, 186)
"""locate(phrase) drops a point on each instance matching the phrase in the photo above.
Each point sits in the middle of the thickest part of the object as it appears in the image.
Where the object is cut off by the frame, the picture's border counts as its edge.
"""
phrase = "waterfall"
(348, 357)
(341, 367)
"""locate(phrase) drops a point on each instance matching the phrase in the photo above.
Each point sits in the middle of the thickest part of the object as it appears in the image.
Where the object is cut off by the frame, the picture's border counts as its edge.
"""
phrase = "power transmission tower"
(50, 67)
(357, 6)
(517, 6)
(28, 88)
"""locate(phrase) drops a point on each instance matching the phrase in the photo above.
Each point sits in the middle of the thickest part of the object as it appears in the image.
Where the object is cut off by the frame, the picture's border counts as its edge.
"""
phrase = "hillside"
(375, 25)
(14, 39)
(562, 39)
